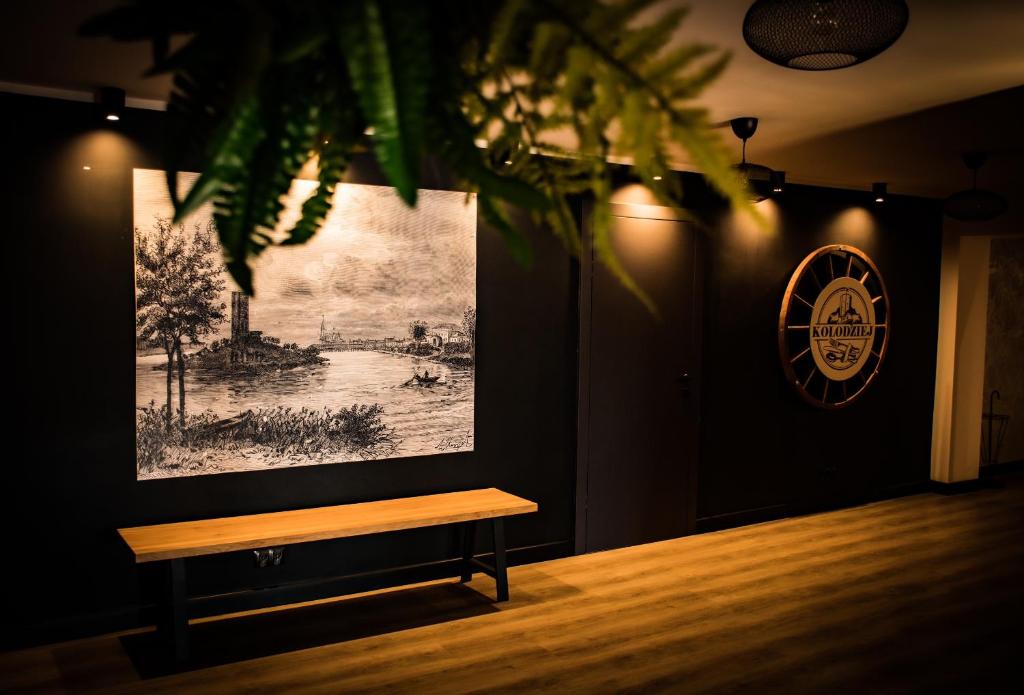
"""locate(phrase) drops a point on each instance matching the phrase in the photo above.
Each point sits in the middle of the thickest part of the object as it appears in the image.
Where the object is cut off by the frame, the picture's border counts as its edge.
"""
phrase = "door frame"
(586, 265)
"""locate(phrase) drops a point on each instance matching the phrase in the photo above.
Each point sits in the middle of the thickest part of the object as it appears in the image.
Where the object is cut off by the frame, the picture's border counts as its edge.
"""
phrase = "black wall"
(68, 264)
(765, 453)
(69, 479)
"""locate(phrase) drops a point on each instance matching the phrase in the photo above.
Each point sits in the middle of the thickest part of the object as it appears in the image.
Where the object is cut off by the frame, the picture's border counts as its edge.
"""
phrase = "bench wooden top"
(210, 536)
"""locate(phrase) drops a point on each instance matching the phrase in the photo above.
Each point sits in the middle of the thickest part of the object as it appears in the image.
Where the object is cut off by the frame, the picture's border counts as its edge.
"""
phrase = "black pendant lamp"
(975, 204)
(758, 176)
(823, 34)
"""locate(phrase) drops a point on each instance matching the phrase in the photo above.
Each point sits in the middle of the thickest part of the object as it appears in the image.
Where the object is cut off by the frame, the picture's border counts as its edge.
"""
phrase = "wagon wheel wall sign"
(834, 326)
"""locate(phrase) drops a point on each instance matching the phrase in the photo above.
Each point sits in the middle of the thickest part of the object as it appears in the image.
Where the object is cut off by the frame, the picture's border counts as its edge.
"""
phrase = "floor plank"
(920, 594)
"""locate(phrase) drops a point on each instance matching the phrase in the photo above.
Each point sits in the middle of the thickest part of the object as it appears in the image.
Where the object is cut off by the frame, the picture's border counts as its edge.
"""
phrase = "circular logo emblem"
(834, 326)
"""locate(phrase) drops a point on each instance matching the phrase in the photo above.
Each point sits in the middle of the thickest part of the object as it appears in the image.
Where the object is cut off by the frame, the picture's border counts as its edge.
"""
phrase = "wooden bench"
(173, 543)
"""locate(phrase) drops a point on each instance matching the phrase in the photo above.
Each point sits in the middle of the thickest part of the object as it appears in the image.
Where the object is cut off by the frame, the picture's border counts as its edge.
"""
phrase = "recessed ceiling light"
(87, 168)
(778, 179)
(110, 102)
(656, 178)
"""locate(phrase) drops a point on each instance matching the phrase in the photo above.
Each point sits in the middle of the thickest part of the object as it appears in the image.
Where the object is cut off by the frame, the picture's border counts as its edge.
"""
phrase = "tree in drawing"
(469, 327)
(418, 331)
(178, 281)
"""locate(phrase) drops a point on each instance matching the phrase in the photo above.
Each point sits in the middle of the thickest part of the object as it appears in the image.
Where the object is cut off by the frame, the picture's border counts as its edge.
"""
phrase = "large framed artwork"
(359, 345)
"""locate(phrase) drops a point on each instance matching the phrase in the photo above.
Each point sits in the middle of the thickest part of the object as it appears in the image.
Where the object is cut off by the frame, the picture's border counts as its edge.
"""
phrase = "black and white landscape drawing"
(358, 345)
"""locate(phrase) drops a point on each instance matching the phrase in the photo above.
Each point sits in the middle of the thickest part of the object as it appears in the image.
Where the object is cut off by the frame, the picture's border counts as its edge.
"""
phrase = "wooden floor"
(921, 594)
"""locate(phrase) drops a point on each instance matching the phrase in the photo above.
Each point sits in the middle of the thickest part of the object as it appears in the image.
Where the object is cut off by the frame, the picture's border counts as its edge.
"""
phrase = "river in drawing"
(425, 420)
(320, 364)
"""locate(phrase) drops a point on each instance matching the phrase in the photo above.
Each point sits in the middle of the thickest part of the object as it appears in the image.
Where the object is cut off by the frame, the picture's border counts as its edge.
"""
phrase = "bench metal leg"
(499, 570)
(176, 621)
(468, 545)
(500, 566)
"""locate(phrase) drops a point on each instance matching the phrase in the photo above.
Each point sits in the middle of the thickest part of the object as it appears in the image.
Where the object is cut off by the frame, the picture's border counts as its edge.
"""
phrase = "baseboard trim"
(758, 515)
(961, 487)
(1001, 468)
(987, 478)
(136, 616)
(744, 517)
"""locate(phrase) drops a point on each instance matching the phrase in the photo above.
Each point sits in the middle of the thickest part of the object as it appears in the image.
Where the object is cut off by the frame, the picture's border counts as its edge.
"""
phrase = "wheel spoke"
(815, 276)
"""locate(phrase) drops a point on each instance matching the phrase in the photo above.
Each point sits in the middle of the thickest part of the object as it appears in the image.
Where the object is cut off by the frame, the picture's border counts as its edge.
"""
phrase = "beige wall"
(960, 358)
(1004, 352)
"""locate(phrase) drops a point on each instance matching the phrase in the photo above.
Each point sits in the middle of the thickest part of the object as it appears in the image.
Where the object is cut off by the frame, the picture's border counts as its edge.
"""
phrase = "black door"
(638, 385)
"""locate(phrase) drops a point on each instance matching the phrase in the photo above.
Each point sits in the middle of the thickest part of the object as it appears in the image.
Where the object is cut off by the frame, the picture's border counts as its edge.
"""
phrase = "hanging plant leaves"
(263, 89)
(385, 46)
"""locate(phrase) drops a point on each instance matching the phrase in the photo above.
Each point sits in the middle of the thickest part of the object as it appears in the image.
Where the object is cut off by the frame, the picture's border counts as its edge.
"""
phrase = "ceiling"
(883, 120)
(950, 51)
(874, 121)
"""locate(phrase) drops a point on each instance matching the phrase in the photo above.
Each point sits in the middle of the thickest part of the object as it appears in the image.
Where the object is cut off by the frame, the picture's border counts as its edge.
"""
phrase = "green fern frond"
(384, 55)
(258, 93)
(647, 41)
(517, 244)
(675, 61)
(604, 251)
(504, 31)
(609, 19)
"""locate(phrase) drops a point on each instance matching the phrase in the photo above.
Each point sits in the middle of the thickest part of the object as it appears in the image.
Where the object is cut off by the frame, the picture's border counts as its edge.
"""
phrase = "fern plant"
(262, 87)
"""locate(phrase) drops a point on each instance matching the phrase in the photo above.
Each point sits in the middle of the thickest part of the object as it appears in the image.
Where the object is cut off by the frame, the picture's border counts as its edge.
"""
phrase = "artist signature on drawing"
(464, 441)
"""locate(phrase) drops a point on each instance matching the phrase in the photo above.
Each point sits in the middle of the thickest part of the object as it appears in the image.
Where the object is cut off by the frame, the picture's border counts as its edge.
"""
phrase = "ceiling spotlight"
(823, 34)
(110, 102)
(656, 177)
(757, 176)
(975, 204)
(880, 190)
(778, 181)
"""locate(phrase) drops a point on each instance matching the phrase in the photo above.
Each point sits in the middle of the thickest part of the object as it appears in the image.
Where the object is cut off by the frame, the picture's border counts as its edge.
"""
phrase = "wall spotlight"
(656, 177)
(778, 179)
(110, 102)
(880, 190)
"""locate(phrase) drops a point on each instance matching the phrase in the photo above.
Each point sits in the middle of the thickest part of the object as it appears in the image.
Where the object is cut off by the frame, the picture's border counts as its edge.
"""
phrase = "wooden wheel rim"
(813, 385)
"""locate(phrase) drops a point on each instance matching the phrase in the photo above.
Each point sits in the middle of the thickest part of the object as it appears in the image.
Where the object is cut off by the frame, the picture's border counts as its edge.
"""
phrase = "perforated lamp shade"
(823, 34)
(975, 205)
